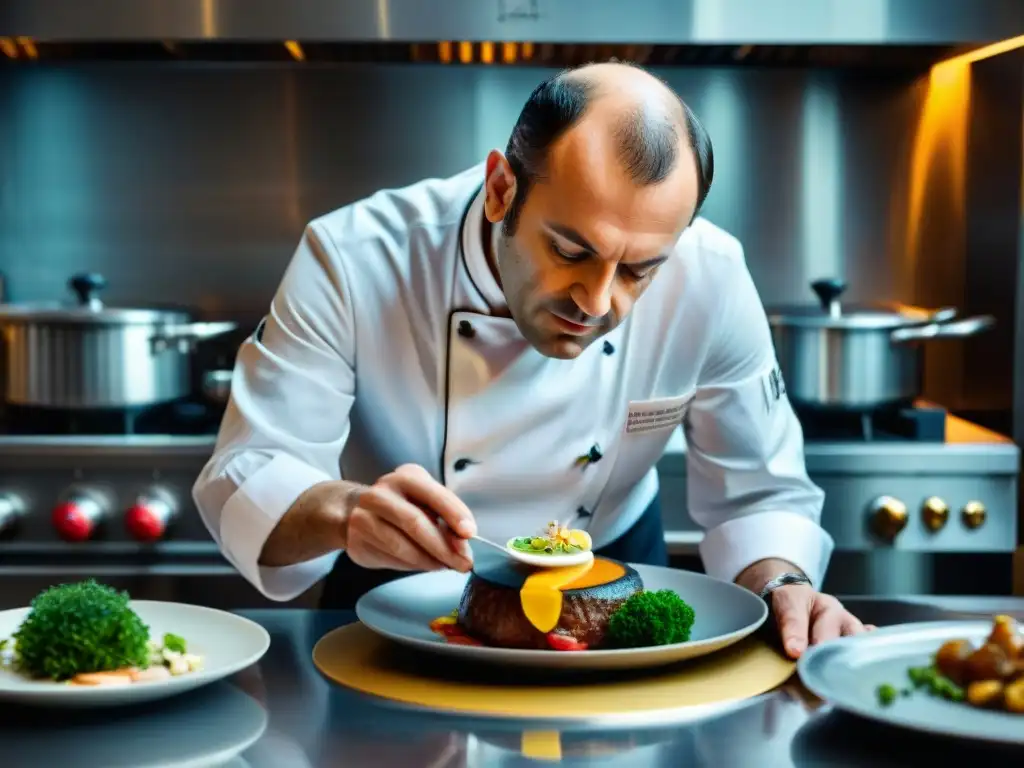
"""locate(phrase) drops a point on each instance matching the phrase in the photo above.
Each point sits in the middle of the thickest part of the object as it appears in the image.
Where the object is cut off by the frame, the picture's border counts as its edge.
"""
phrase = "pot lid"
(830, 313)
(87, 308)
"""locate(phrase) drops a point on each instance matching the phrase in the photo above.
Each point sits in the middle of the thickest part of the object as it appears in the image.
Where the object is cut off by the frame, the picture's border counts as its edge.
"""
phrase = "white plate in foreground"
(226, 642)
(724, 613)
(847, 672)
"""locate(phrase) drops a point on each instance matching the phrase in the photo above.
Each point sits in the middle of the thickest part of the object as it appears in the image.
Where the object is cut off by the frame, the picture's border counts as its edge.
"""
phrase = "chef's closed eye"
(565, 253)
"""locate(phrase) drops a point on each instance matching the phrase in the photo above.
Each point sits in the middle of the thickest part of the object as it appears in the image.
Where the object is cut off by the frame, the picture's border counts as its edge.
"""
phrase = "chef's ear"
(500, 187)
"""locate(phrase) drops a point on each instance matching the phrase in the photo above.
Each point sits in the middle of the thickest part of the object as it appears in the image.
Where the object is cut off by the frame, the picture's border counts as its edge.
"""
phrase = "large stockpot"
(89, 356)
(858, 357)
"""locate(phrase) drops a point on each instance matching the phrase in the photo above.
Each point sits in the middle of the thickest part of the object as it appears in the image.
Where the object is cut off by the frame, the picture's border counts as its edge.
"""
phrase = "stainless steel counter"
(283, 714)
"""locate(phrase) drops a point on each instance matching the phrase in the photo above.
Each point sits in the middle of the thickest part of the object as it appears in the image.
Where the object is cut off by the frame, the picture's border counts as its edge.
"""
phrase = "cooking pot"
(86, 355)
(859, 357)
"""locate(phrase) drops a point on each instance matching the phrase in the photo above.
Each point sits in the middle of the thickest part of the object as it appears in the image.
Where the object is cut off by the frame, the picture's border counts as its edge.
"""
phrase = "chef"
(513, 345)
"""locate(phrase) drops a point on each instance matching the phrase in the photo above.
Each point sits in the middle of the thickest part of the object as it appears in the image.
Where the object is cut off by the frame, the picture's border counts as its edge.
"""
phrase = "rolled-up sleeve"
(747, 480)
(287, 419)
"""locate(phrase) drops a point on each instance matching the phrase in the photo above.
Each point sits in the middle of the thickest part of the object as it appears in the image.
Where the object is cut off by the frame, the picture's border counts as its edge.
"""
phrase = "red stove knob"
(76, 519)
(147, 519)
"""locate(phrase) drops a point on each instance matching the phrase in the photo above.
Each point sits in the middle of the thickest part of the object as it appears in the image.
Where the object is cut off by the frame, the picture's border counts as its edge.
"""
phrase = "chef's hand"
(394, 524)
(806, 617)
(390, 524)
(803, 616)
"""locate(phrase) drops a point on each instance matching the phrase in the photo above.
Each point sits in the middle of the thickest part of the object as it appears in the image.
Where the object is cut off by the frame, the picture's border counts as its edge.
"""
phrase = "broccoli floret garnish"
(84, 627)
(650, 618)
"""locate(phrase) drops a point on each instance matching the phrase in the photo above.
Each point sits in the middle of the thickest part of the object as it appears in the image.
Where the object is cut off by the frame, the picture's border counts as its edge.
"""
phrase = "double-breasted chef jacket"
(382, 347)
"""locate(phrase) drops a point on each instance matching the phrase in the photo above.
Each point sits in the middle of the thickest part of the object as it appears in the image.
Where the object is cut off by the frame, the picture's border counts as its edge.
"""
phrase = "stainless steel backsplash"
(191, 183)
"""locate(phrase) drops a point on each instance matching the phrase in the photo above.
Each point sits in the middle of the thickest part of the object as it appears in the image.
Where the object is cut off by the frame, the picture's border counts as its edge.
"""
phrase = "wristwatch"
(782, 580)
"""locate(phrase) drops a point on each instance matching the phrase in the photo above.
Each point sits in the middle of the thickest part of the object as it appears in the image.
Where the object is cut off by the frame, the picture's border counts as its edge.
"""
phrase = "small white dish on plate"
(549, 561)
(226, 643)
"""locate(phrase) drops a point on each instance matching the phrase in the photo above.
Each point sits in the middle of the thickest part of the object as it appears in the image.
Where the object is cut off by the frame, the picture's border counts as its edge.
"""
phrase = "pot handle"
(186, 336)
(828, 292)
(86, 286)
(943, 315)
(957, 330)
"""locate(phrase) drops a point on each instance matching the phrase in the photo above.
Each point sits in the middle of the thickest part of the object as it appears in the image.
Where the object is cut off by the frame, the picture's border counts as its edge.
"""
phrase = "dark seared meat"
(494, 615)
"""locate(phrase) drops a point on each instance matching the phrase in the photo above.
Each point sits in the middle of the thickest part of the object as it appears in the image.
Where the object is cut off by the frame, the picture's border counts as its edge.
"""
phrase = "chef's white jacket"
(382, 348)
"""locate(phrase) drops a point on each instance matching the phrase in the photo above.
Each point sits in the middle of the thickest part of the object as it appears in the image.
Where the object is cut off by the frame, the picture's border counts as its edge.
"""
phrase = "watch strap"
(782, 580)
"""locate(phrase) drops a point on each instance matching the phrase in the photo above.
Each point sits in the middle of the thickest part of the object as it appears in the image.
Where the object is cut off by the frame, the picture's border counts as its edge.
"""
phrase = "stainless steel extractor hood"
(646, 22)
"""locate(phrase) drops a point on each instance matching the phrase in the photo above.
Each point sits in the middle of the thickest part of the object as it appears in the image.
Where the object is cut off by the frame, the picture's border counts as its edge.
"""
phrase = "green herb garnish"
(931, 681)
(3, 644)
(650, 618)
(84, 627)
(174, 643)
(886, 694)
(540, 545)
(935, 683)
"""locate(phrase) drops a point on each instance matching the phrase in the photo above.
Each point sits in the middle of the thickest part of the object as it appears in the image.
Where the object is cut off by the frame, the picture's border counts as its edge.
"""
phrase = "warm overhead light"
(985, 52)
(29, 47)
(939, 149)
(8, 47)
(465, 52)
(295, 50)
(444, 51)
(487, 52)
(509, 52)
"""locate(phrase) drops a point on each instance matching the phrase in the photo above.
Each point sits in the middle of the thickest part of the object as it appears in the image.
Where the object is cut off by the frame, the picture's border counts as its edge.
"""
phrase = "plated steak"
(491, 608)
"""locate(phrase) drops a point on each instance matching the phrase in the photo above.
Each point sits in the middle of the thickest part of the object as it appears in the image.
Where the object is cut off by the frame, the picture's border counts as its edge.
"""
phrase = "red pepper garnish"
(560, 642)
(462, 640)
(440, 625)
(448, 628)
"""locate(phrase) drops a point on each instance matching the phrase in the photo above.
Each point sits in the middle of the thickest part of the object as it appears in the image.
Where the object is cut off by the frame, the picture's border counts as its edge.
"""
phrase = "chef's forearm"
(313, 526)
(755, 576)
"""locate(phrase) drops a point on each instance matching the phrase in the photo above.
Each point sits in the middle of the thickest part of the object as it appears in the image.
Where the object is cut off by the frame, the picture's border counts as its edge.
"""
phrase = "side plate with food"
(87, 644)
(955, 678)
(602, 614)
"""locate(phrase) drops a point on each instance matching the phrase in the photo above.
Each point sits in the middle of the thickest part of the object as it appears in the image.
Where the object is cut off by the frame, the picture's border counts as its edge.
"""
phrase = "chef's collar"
(476, 257)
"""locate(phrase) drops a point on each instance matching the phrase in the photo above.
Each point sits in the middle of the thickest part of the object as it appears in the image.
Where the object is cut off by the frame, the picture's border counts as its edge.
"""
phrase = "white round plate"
(549, 561)
(847, 672)
(724, 613)
(212, 727)
(226, 642)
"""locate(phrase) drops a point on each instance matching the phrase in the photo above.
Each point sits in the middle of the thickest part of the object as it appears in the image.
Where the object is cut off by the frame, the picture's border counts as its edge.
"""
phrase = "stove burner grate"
(921, 424)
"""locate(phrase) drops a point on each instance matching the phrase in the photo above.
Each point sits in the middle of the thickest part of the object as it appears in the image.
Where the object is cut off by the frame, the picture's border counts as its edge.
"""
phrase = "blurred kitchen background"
(171, 153)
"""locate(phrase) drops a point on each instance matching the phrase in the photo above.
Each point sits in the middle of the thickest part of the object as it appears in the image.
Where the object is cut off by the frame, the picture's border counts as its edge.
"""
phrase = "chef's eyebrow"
(571, 235)
(575, 237)
(650, 263)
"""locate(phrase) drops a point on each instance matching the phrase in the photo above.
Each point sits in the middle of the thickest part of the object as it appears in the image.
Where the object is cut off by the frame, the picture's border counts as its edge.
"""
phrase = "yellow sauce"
(541, 593)
(542, 745)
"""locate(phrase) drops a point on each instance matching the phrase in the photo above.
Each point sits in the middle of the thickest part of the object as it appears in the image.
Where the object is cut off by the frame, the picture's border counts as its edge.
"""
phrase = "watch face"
(782, 581)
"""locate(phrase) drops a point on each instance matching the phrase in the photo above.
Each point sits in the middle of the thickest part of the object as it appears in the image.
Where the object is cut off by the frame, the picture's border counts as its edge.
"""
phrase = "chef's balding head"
(605, 168)
(648, 127)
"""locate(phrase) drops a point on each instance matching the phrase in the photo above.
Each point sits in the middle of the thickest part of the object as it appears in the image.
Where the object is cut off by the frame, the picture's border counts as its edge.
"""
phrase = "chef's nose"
(594, 293)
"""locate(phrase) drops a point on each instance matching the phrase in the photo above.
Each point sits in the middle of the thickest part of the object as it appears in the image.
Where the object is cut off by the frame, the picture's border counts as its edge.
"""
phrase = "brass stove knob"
(889, 516)
(935, 513)
(973, 514)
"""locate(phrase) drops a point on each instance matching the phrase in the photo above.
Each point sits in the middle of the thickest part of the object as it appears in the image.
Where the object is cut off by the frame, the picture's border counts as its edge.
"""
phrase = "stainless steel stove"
(917, 500)
(110, 497)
